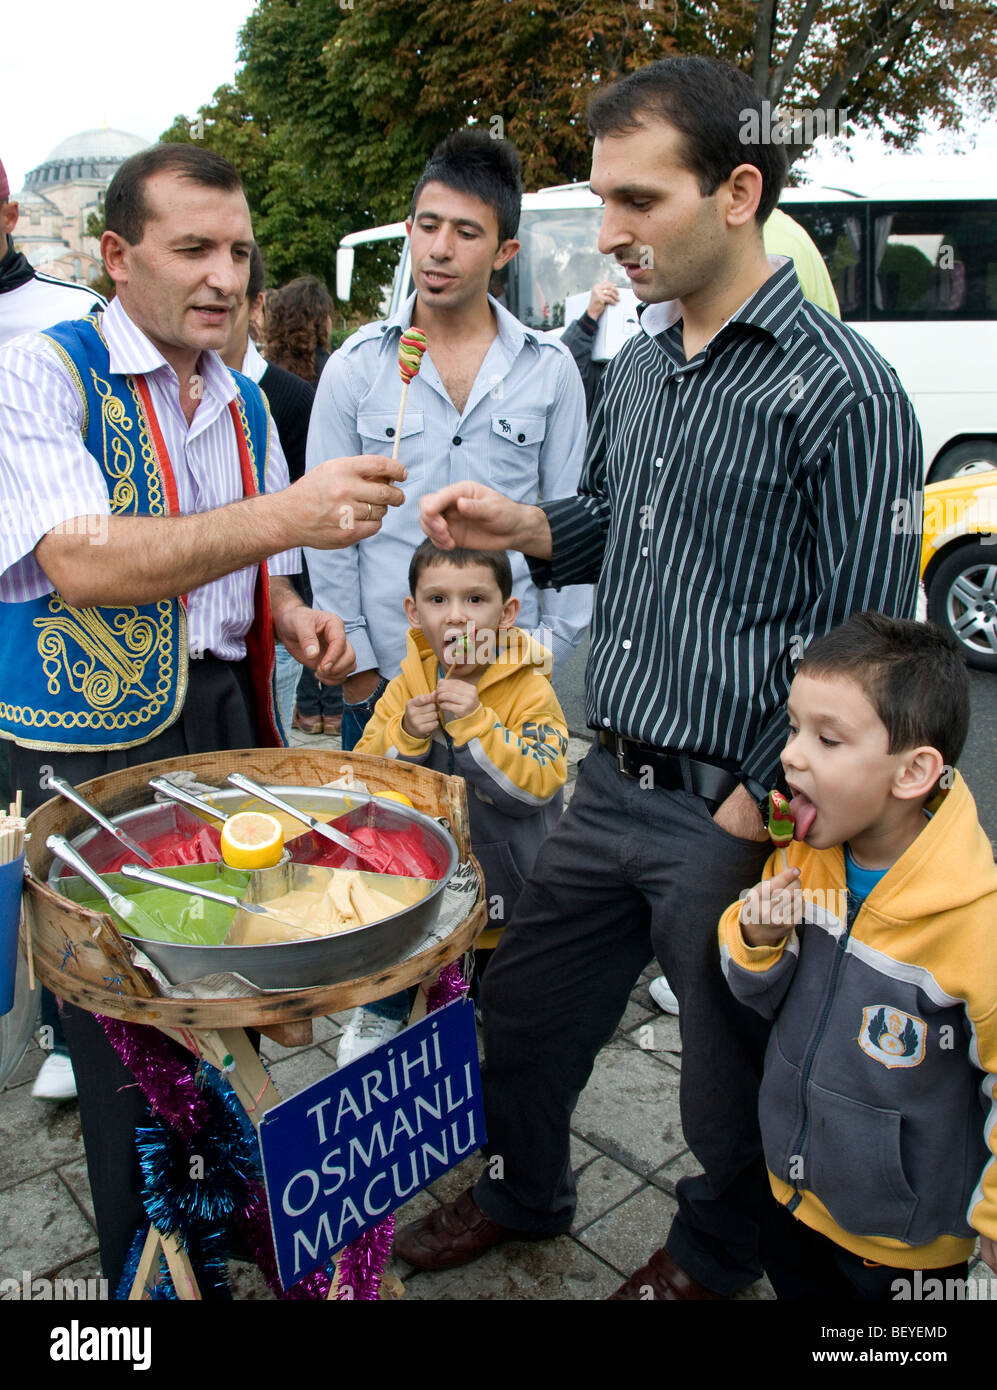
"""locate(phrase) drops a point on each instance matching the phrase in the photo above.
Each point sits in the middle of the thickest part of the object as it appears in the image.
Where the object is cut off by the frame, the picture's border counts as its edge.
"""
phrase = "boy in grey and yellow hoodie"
(875, 950)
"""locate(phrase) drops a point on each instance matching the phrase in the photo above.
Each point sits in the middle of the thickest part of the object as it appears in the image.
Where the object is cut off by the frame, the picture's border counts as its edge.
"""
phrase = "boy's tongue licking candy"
(804, 812)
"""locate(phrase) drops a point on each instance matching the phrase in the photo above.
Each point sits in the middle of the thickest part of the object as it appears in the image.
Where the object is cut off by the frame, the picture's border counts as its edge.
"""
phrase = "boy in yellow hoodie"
(472, 699)
(875, 951)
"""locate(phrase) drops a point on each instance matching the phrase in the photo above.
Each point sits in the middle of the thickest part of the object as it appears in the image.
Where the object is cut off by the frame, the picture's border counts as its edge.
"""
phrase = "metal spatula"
(378, 861)
(58, 784)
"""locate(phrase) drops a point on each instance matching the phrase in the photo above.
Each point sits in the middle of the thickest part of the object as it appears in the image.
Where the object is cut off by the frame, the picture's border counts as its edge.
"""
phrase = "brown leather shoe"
(453, 1235)
(662, 1278)
(307, 723)
(332, 724)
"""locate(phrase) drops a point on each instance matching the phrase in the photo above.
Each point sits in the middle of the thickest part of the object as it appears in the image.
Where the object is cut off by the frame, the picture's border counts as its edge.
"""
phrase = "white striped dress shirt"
(48, 477)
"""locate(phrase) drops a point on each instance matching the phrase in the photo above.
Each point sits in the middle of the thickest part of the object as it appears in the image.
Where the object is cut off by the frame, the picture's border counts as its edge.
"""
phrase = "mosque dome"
(91, 156)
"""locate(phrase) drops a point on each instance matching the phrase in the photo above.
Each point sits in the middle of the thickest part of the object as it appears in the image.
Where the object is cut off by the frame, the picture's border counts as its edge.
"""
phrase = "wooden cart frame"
(82, 958)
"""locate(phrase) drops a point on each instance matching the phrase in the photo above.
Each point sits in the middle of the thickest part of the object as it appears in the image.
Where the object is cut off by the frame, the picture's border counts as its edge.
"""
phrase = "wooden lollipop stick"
(398, 426)
(411, 346)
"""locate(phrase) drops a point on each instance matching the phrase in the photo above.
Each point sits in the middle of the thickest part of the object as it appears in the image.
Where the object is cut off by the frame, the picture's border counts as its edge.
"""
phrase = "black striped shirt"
(731, 507)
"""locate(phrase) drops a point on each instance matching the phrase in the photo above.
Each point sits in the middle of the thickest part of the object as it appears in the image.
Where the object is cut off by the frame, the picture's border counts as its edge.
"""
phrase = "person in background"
(297, 327)
(290, 399)
(297, 323)
(782, 237)
(29, 301)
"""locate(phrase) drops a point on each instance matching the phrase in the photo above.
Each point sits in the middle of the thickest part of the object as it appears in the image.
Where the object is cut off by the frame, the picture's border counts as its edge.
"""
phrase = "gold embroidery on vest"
(119, 455)
(115, 653)
(249, 441)
(92, 719)
(153, 472)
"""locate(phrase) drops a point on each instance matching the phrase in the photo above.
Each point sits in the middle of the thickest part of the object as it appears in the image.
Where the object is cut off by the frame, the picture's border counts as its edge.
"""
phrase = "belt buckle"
(621, 756)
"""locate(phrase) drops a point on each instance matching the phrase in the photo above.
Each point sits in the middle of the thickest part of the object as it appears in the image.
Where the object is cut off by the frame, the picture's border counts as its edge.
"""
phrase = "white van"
(915, 270)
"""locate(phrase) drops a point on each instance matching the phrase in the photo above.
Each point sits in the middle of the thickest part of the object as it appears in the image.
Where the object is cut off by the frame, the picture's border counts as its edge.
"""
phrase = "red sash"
(260, 647)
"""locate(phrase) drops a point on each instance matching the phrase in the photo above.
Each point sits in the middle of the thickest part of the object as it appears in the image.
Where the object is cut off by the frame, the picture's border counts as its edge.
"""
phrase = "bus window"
(838, 230)
(935, 260)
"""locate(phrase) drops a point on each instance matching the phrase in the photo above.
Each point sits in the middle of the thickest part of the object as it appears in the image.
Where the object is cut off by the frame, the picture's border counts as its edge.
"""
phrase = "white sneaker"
(55, 1081)
(365, 1031)
(663, 995)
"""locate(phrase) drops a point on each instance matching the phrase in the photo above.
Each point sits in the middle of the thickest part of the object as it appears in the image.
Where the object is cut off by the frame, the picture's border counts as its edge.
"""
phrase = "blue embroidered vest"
(108, 678)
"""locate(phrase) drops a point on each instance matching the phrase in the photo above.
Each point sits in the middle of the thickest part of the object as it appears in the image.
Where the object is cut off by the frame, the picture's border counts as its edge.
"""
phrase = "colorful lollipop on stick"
(781, 824)
(460, 651)
(411, 346)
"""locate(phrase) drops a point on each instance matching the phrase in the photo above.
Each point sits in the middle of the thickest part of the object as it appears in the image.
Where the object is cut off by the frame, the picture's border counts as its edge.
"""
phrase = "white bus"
(915, 270)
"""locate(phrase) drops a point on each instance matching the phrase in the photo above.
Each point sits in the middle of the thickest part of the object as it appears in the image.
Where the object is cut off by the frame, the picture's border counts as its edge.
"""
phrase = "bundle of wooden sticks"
(12, 833)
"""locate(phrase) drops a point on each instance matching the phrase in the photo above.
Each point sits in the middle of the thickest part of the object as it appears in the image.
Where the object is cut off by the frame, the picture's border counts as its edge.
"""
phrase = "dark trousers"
(314, 698)
(628, 872)
(217, 714)
(803, 1264)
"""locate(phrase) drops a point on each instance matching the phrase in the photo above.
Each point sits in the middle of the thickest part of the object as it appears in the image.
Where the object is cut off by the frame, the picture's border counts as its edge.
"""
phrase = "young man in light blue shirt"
(494, 402)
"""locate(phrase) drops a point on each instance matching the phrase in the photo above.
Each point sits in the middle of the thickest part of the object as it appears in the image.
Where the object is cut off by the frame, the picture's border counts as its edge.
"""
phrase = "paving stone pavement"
(627, 1152)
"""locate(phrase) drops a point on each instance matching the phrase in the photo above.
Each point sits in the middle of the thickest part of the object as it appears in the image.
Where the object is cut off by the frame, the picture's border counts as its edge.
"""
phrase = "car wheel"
(962, 598)
(976, 456)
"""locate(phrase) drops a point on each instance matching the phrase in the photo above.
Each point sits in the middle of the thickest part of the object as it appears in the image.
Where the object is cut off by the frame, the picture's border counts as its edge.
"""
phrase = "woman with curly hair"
(298, 323)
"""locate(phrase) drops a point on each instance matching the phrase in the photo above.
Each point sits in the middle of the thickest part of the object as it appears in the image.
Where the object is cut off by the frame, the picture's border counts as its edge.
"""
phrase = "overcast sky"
(65, 71)
(69, 67)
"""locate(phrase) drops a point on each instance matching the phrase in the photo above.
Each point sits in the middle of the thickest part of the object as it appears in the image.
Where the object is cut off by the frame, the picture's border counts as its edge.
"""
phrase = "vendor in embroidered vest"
(148, 535)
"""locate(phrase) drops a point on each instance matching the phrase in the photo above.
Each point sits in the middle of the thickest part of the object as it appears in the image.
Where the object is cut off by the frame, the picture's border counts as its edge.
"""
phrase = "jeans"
(356, 717)
(288, 673)
(315, 698)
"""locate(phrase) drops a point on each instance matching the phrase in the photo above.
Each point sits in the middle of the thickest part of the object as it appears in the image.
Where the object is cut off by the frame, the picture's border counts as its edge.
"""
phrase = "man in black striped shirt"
(744, 457)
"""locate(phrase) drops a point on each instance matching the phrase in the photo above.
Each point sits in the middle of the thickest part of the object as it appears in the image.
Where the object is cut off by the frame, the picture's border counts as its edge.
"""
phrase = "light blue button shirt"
(522, 432)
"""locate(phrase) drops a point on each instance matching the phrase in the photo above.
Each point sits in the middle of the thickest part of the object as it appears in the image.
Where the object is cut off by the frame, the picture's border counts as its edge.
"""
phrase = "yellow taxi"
(959, 562)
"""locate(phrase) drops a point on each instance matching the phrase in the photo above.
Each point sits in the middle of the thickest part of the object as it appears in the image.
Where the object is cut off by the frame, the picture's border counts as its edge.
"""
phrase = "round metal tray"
(303, 964)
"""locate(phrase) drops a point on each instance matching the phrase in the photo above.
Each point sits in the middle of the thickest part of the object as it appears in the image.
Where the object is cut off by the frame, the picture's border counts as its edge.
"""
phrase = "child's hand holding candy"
(456, 699)
(771, 908)
(421, 716)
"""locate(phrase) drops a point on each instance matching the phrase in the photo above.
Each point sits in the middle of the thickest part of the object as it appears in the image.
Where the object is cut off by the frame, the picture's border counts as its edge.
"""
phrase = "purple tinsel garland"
(172, 1092)
(361, 1263)
(166, 1082)
(450, 985)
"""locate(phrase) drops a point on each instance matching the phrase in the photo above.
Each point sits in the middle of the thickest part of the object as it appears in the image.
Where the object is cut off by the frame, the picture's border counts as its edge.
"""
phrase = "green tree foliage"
(337, 106)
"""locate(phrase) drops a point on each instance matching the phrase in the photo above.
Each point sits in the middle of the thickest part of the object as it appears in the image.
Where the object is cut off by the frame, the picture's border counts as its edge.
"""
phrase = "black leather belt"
(671, 771)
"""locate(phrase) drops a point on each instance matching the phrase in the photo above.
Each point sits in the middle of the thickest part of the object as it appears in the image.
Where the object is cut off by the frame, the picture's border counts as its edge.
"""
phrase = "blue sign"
(341, 1155)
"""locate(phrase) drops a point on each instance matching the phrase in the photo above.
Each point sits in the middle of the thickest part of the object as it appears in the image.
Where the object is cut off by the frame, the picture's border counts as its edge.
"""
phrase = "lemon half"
(252, 840)
(400, 797)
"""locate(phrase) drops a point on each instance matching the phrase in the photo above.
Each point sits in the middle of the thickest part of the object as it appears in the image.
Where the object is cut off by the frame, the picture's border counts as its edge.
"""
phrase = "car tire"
(975, 456)
(962, 599)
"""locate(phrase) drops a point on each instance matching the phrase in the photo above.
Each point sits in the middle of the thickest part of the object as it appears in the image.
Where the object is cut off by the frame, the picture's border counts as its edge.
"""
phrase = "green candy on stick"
(781, 825)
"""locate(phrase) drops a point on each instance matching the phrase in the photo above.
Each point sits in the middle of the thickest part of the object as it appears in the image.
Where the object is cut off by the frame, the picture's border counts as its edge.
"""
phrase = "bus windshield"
(557, 258)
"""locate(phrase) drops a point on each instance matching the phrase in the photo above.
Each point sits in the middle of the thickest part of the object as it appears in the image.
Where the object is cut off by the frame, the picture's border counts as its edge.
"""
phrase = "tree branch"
(878, 39)
(782, 74)
(764, 28)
